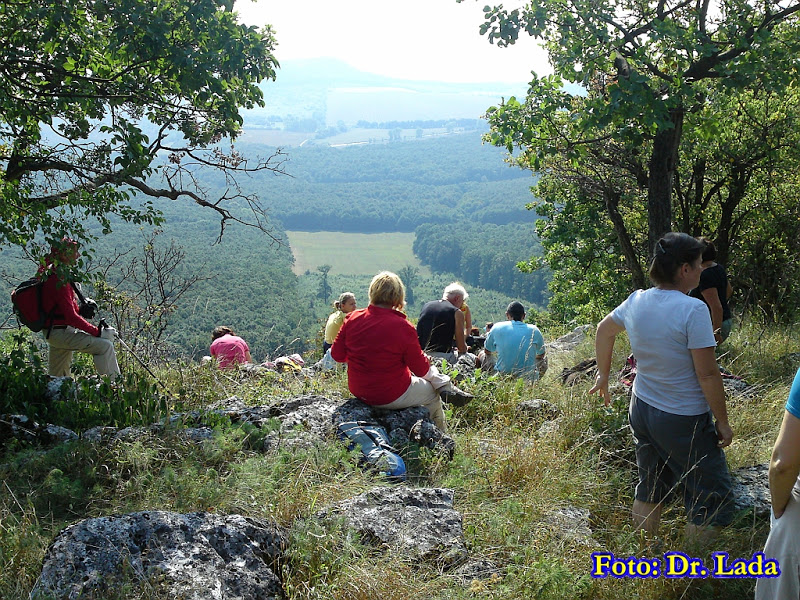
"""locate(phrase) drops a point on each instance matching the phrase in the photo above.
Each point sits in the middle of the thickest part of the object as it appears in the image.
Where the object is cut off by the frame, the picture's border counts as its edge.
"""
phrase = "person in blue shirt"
(783, 543)
(516, 347)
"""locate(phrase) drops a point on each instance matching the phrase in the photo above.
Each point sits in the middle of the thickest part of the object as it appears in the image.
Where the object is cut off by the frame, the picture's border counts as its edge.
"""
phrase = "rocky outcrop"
(415, 523)
(22, 428)
(303, 421)
(537, 410)
(194, 556)
(570, 341)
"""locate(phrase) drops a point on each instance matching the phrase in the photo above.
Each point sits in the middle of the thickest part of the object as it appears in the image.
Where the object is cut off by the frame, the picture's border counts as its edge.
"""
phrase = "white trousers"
(63, 342)
(783, 544)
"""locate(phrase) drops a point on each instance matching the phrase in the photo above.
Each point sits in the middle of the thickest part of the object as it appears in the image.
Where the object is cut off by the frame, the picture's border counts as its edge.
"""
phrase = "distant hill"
(329, 91)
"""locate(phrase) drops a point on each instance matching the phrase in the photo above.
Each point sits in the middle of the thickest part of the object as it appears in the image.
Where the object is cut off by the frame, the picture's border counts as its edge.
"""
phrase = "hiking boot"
(455, 396)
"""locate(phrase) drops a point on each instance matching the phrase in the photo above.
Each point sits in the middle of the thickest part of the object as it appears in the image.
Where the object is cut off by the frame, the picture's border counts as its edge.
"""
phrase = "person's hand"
(601, 387)
(109, 333)
(724, 434)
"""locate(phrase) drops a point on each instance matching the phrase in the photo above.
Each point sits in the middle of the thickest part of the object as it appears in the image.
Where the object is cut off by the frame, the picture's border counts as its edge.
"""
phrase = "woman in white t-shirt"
(677, 394)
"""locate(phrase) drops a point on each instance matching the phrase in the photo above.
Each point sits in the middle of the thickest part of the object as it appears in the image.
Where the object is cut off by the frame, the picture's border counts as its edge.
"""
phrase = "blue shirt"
(517, 345)
(793, 403)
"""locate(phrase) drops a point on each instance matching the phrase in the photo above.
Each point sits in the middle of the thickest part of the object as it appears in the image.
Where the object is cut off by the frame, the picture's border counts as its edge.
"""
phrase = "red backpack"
(27, 301)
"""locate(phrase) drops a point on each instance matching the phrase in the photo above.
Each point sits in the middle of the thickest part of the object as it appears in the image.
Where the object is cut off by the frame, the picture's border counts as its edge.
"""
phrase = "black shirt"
(714, 277)
(436, 327)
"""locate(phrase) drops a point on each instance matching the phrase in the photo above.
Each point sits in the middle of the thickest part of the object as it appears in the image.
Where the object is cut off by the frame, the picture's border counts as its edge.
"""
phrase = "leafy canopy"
(644, 66)
(100, 101)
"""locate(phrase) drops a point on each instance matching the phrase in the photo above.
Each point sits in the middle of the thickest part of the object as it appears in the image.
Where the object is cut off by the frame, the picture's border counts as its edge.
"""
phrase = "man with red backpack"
(67, 331)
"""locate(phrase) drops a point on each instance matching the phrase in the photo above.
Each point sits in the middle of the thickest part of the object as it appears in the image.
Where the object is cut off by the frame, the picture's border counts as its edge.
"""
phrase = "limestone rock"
(751, 489)
(477, 569)
(193, 556)
(537, 410)
(22, 428)
(571, 523)
(60, 388)
(570, 341)
(416, 523)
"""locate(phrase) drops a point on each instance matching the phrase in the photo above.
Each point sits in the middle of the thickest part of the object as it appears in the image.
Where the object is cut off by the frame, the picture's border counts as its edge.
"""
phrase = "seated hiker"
(229, 349)
(344, 306)
(516, 347)
(68, 331)
(441, 325)
(385, 365)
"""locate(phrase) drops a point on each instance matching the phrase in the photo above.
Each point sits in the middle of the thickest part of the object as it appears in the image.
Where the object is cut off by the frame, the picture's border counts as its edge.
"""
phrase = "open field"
(353, 253)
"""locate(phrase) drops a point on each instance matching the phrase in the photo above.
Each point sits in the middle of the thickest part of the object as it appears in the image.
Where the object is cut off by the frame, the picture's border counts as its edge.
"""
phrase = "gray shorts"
(681, 451)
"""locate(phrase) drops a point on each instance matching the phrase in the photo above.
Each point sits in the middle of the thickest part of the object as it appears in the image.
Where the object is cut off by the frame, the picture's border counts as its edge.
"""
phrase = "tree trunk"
(631, 260)
(736, 192)
(663, 162)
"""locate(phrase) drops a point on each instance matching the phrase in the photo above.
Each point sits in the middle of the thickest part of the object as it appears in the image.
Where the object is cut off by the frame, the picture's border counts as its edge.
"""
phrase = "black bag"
(87, 308)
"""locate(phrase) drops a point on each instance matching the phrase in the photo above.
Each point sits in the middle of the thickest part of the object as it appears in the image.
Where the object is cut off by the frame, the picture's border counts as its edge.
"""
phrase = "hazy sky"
(409, 39)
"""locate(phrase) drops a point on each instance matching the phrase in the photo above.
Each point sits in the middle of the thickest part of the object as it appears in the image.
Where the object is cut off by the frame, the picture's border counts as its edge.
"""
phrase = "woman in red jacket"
(385, 364)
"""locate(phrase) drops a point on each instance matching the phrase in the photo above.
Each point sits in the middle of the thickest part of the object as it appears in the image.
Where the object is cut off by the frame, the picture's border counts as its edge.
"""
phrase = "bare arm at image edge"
(785, 464)
(711, 296)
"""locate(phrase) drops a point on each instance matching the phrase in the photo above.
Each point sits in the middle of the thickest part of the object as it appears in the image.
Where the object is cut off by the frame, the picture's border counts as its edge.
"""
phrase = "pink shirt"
(230, 350)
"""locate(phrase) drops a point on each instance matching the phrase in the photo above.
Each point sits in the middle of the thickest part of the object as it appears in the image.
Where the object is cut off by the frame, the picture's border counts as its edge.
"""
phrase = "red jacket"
(60, 295)
(381, 350)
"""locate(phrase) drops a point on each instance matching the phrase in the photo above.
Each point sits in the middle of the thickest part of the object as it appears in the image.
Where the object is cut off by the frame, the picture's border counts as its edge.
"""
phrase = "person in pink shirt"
(230, 350)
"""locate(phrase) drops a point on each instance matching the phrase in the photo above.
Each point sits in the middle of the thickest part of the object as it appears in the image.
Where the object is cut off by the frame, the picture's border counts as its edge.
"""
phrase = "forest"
(170, 289)
(485, 255)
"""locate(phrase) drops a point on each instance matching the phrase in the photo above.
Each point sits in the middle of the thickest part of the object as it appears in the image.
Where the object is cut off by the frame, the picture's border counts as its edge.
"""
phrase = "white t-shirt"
(663, 327)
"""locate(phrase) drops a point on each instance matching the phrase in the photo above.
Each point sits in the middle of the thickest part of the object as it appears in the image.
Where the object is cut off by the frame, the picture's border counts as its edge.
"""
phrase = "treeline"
(457, 158)
(394, 187)
(468, 124)
(396, 206)
(486, 256)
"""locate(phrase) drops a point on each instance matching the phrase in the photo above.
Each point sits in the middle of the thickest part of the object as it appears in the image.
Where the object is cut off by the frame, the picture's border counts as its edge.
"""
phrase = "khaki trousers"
(424, 392)
(63, 342)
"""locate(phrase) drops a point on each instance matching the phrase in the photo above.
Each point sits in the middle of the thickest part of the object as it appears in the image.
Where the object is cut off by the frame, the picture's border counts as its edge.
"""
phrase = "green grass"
(507, 479)
(353, 253)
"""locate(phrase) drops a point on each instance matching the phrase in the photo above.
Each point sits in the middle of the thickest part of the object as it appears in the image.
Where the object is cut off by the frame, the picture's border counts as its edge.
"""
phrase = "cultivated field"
(353, 253)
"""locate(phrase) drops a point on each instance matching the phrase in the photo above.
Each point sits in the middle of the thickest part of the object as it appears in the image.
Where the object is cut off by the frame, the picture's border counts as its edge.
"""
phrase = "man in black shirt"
(441, 324)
